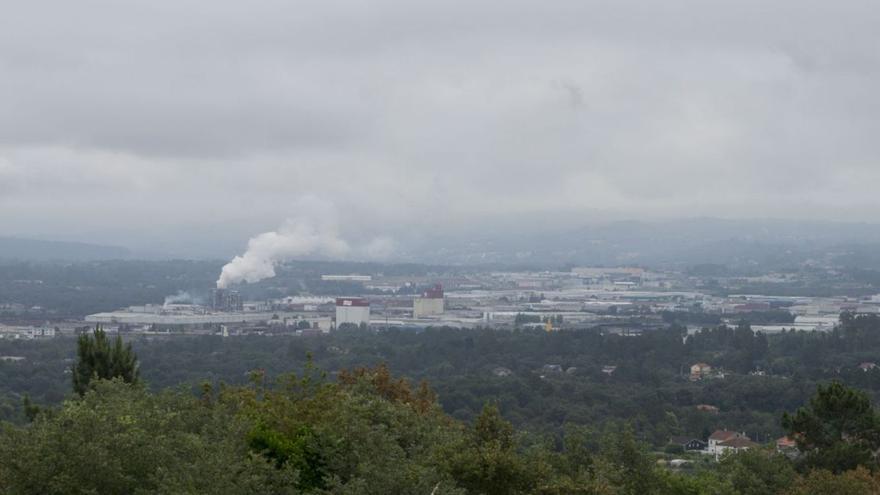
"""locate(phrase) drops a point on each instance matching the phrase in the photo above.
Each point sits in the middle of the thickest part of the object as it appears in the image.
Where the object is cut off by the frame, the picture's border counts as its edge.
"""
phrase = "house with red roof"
(785, 444)
(867, 366)
(707, 408)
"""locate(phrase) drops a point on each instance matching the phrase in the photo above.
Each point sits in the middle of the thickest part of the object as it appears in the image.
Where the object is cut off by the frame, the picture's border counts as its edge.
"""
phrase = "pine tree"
(97, 358)
(839, 430)
(31, 410)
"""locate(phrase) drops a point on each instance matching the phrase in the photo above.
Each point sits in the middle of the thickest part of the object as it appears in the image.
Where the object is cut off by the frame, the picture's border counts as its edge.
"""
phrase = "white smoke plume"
(313, 231)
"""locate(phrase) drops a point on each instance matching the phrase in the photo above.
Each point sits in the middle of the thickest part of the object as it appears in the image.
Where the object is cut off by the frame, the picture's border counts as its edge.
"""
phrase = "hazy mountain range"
(673, 242)
(40, 250)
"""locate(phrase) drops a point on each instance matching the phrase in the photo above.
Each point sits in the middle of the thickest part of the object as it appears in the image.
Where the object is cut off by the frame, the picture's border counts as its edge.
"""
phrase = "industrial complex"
(623, 300)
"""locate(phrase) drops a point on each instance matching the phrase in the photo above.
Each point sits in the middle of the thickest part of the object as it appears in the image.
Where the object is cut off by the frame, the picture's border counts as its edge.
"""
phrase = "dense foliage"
(838, 431)
(649, 386)
(365, 433)
(368, 432)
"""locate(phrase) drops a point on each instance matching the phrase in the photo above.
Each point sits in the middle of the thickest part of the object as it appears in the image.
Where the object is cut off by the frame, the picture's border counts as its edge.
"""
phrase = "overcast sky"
(203, 120)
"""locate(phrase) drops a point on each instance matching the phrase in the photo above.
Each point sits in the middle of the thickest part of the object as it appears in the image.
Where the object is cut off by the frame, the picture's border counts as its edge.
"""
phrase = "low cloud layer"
(155, 123)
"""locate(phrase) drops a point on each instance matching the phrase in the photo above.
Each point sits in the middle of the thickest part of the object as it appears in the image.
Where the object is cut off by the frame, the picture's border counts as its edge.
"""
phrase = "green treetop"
(98, 358)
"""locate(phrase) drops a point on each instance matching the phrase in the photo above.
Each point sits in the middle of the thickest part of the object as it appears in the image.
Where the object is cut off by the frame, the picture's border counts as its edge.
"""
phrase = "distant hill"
(759, 244)
(31, 249)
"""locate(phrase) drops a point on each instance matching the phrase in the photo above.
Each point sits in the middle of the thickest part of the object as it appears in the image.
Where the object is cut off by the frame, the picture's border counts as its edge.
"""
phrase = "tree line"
(367, 431)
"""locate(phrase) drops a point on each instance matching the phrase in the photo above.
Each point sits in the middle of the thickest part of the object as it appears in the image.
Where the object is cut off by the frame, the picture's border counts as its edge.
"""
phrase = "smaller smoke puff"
(182, 297)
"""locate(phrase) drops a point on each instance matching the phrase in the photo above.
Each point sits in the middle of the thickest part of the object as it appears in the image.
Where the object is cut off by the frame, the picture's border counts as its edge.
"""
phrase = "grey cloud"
(432, 115)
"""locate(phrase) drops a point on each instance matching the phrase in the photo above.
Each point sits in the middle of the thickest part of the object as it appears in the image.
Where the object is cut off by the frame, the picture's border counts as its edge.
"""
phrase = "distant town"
(623, 300)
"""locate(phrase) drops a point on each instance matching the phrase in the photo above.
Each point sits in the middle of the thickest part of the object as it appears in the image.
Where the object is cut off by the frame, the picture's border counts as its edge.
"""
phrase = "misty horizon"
(683, 242)
(191, 133)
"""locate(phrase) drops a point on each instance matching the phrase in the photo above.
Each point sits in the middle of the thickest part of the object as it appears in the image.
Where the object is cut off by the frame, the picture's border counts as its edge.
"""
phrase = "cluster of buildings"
(17, 309)
(27, 332)
(624, 300)
(723, 442)
(227, 311)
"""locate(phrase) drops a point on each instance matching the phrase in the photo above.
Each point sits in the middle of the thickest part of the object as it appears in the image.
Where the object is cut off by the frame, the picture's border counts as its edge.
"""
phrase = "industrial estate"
(625, 300)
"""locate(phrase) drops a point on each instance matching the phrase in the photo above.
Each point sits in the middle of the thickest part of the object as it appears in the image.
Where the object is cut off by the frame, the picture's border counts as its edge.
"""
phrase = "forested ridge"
(764, 376)
(369, 432)
(429, 412)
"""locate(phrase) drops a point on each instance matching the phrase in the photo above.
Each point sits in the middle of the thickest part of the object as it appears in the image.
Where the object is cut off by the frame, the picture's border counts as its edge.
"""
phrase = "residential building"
(867, 366)
(719, 436)
(733, 446)
(501, 371)
(724, 441)
(700, 371)
(688, 443)
(785, 444)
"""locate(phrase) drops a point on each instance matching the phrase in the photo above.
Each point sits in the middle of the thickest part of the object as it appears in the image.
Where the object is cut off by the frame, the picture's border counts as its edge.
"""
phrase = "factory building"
(431, 303)
(346, 278)
(353, 310)
(226, 300)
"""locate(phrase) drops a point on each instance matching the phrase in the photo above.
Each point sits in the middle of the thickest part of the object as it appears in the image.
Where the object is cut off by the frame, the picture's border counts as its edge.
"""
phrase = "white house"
(724, 441)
